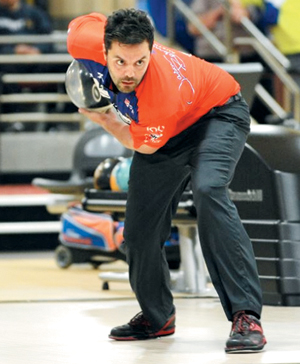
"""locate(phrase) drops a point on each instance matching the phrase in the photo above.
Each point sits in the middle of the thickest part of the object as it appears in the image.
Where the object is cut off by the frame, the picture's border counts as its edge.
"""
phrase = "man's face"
(127, 64)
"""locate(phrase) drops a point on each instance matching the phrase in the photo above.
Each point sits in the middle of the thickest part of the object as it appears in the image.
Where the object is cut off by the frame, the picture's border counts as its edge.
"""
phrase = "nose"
(129, 72)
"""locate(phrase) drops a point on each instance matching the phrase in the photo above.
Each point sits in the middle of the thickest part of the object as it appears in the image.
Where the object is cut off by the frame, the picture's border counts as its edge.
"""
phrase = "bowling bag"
(84, 229)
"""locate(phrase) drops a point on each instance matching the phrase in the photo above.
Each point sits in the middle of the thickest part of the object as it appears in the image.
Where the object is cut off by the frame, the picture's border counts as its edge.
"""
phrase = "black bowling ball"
(102, 173)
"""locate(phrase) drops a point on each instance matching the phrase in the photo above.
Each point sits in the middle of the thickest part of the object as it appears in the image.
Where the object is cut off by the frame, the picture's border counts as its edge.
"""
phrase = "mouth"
(128, 82)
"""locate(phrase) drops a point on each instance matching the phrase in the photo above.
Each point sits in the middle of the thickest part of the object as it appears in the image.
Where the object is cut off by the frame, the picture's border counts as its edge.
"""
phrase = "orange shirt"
(176, 91)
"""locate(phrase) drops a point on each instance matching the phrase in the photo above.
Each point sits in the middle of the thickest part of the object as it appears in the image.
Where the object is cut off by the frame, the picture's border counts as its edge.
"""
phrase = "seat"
(93, 147)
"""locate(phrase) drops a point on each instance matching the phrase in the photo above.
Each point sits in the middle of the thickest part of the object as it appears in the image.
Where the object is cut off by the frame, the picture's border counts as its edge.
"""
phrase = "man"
(17, 18)
(158, 10)
(281, 19)
(185, 120)
(212, 14)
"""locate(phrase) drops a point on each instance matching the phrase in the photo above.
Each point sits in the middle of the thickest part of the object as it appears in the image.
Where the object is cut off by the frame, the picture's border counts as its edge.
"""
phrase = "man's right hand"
(85, 91)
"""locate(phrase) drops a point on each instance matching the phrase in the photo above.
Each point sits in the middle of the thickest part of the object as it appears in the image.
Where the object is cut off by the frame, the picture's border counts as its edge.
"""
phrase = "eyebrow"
(140, 59)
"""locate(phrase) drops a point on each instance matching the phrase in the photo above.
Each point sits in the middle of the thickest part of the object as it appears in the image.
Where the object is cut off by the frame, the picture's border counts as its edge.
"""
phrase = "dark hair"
(128, 26)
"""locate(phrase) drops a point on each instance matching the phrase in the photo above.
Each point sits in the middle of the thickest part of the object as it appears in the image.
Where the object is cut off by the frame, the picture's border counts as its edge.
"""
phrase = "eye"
(120, 62)
(140, 62)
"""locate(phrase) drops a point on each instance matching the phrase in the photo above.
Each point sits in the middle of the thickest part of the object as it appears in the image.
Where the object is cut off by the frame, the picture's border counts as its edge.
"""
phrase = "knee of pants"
(207, 189)
(208, 194)
(142, 244)
(144, 235)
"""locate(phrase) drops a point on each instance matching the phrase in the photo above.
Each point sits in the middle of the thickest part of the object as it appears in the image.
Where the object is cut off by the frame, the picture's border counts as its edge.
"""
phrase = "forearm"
(110, 122)
(238, 11)
(114, 126)
(209, 19)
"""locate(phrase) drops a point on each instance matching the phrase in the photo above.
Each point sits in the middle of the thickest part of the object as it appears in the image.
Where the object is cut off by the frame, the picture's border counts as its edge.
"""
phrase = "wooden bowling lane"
(59, 316)
(77, 332)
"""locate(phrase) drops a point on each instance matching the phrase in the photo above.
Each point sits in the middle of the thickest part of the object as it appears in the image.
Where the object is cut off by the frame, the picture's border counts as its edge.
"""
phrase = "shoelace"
(241, 323)
(139, 319)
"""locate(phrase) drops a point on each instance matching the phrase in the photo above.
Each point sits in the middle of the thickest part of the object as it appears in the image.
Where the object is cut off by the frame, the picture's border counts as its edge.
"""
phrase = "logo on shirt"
(125, 118)
(179, 69)
(12, 25)
(100, 76)
(155, 134)
(129, 106)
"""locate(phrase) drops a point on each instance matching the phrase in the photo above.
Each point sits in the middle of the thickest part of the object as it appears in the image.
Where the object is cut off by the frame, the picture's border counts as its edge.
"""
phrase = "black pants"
(206, 153)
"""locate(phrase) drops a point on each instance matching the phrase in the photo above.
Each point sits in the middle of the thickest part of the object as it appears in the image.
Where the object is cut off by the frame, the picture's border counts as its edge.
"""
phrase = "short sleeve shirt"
(177, 89)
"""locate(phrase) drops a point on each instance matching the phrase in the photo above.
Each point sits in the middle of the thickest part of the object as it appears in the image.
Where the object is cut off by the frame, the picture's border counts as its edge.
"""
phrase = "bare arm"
(238, 11)
(209, 19)
(26, 49)
(114, 126)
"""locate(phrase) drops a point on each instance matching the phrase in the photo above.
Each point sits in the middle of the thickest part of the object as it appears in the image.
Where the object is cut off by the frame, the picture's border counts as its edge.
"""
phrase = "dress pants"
(205, 154)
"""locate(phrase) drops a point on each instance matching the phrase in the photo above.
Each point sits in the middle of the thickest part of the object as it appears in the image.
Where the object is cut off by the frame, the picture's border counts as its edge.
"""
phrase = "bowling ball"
(120, 175)
(84, 90)
(103, 172)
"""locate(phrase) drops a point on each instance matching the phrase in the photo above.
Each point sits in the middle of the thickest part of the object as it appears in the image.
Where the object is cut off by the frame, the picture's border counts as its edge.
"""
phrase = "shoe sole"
(151, 336)
(166, 330)
(244, 349)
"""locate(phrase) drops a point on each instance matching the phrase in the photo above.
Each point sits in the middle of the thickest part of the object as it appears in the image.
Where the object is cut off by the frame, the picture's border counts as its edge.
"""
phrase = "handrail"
(45, 97)
(35, 58)
(269, 101)
(190, 16)
(273, 57)
(265, 42)
(59, 97)
(41, 117)
(33, 78)
(219, 46)
(257, 34)
(280, 71)
(55, 37)
(272, 63)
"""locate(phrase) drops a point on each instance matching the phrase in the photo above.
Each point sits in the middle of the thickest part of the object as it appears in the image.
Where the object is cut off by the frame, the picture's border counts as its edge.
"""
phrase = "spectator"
(17, 18)
(212, 14)
(42, 4)
(158, 11)
(281, 19)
